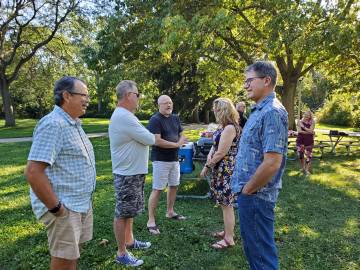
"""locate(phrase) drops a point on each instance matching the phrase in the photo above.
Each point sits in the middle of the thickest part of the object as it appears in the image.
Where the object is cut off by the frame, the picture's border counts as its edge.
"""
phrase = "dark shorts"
(129, 195)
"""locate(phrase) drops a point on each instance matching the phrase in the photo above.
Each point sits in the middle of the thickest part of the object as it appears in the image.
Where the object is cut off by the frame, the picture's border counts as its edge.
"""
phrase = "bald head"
(165, 105)
(241, 106)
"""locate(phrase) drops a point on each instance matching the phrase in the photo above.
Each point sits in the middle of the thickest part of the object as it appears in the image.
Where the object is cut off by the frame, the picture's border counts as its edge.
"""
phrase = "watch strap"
(56, 208)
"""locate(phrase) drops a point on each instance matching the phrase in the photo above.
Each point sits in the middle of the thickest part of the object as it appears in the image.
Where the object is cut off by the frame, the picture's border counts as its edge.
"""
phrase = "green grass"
(334, 127)
(317, 221)
(25, 127)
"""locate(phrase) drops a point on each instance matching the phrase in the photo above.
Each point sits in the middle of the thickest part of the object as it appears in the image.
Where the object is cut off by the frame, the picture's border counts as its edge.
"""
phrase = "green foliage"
(341, 109)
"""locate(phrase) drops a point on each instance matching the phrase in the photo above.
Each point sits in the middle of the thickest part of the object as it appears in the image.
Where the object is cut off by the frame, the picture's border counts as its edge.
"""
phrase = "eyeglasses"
(249, 80)
(136, 94)
(166, 103)
(80, 94)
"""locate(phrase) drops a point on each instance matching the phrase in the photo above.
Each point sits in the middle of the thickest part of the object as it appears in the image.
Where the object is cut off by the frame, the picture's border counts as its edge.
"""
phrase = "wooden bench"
(349, 144)
(320, 146)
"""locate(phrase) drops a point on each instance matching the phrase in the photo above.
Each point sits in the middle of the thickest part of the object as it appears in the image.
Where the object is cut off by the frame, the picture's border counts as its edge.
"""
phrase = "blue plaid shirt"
(60, 141)
(265, 131)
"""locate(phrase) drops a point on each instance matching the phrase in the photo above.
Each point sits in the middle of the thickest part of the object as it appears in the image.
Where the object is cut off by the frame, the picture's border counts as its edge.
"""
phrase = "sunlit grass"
(306, 231)
(16, 232)
(9, 170)
(341, 178)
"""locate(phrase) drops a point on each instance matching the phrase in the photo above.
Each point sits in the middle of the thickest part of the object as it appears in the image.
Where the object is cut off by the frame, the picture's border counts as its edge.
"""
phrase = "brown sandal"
(220, 245)
(153, 230)
(220, 234)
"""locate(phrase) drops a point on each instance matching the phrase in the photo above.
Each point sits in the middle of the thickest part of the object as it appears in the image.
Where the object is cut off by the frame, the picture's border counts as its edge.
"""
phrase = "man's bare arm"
(264, 173)
(39, 182)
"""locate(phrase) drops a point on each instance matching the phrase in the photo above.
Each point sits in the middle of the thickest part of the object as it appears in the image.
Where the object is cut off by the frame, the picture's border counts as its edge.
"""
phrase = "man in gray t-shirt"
(129, 145)
(164, 156)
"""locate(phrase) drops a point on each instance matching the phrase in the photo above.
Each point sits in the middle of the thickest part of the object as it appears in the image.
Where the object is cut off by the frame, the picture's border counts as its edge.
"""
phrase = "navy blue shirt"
(169, 129)
(265, 131)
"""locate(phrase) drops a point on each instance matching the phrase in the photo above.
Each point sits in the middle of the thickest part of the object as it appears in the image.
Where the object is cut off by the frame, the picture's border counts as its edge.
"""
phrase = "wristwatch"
(56, 208)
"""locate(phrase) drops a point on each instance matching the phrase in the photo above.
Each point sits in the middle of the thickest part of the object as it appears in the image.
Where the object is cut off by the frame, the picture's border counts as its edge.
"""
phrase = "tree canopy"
(196, 51)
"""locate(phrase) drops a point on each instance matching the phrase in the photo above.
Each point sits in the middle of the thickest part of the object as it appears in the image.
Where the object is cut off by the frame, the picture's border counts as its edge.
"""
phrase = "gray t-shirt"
(129, 143)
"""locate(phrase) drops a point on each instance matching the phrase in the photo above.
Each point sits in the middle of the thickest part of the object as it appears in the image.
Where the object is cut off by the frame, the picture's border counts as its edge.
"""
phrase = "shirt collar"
(263, 102)
(66, 116)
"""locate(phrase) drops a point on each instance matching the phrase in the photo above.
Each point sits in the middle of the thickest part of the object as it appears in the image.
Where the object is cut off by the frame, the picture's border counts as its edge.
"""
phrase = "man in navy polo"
(259, 166)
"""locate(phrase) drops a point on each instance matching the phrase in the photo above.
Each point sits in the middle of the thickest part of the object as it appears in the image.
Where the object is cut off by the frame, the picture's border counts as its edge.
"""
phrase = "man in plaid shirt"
(61, 173)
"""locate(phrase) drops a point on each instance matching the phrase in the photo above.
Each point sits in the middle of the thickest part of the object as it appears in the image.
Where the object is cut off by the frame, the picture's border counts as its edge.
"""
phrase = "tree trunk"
(98, 94)
(288, 99)
(196, 118)
(7, 104)
(207, 117)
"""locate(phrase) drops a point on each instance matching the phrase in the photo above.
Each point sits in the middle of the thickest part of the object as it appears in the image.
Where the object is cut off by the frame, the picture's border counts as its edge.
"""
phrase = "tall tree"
(297, 35)
(145, 41)
(26, 26)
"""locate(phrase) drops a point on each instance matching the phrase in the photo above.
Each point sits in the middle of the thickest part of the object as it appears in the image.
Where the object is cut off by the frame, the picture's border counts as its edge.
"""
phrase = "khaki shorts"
(165, 173)
(67, 232)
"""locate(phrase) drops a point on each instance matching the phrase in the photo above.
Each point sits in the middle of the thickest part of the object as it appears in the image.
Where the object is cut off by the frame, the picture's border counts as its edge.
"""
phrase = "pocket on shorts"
(66, 214)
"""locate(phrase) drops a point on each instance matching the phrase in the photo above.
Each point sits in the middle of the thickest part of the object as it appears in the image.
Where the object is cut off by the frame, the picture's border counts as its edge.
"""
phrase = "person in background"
(129, 147)
(62, 176)
(259, 166)
(220, 161)
(165, 161)
(305, 141)
(241, 108)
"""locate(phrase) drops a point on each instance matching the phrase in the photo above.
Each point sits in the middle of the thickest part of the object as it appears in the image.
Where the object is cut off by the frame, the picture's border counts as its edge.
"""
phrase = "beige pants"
(67, 232)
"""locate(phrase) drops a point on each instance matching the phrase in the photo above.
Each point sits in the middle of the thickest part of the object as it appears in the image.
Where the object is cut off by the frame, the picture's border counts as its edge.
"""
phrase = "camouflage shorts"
(129, 195)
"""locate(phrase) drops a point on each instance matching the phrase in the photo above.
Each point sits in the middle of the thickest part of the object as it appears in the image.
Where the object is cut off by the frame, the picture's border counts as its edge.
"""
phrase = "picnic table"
(336, 138)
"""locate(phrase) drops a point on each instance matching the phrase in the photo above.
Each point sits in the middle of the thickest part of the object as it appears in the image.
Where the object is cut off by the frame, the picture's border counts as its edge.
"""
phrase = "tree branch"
(312, 66)
(280, 61)
(289, 57)
(233, 44)
(347, 8)
(58, 21)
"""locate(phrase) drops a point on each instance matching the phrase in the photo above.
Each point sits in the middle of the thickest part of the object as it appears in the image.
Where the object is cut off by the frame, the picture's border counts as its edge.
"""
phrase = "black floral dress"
(220, 185)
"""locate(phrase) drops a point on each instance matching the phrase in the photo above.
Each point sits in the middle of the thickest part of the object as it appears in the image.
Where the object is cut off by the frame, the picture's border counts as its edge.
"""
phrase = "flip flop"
(220, 245)
(153, 230)
(220, 234)
(177, 217)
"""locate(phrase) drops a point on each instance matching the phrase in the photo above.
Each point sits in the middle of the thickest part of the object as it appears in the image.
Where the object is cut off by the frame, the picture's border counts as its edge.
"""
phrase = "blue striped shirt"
(60, 141)
(265, 131)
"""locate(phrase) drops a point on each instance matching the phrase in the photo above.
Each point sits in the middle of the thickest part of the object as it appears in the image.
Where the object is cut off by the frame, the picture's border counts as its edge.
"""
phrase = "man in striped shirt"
(61, 173)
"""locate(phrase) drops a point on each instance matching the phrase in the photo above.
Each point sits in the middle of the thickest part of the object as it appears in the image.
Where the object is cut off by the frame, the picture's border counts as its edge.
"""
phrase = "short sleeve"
(154, 125)
(46, 143)
(274, 133)
(180, 126)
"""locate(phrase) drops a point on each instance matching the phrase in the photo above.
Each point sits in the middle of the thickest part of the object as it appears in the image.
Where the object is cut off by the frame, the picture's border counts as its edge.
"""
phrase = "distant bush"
(341, 109)
(356, 119)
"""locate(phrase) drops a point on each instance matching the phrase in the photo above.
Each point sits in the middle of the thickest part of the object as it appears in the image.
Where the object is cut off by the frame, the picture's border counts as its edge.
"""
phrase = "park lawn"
(25, 127)
(317, 221)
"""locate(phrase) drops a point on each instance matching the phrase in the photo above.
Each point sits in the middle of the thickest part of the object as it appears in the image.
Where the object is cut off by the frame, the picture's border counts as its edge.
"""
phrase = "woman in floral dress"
(221, 161)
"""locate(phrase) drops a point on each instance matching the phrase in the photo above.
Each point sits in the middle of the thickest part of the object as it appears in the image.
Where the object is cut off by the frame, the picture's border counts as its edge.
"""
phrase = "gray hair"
(66, 83)
(123, 87)
(264, 68)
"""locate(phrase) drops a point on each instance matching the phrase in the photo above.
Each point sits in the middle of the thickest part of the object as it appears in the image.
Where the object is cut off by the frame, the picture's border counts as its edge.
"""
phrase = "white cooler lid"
(189, 145)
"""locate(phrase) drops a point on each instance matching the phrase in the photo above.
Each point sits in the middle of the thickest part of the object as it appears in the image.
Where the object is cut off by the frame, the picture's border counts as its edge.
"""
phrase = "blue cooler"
(186, 153)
